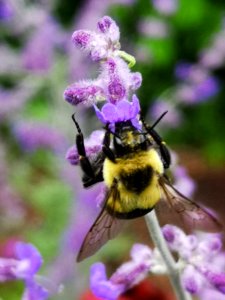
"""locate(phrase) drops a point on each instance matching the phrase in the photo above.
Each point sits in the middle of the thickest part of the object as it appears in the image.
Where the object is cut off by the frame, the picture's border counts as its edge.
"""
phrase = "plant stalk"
(159, 242)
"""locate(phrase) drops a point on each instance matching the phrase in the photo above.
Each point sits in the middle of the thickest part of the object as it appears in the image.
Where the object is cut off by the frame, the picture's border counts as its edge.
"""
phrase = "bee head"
(127, 138)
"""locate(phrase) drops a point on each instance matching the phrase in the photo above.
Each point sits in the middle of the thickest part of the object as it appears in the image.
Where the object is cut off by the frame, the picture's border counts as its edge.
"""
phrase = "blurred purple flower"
(126, 276)
(191, 73)
(200, 257)
(25, 266)
(38, 53)
(33, 136)
(34, 291)
(166, 7)
(27, 262)
(93, 145)
(200, 92)
(6, 10)
(206, 89)
(183, 70)
(153, 28)
(197, 85)
(122, 111)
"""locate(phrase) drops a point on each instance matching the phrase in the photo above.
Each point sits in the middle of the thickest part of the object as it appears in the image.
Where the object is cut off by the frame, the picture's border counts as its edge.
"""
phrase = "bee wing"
(180, 210)
(105, 227)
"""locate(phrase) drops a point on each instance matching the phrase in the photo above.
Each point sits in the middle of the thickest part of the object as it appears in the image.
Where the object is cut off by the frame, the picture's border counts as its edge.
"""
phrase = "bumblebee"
(132, 165)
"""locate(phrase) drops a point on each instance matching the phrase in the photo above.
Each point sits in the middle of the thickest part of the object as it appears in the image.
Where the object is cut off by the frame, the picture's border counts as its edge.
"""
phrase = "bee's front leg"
(106, 145)
(84, 160)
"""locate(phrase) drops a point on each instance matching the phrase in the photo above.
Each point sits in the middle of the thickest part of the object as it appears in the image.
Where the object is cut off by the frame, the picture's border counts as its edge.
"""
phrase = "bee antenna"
(159, 119)
(76, 123)
(110, 131)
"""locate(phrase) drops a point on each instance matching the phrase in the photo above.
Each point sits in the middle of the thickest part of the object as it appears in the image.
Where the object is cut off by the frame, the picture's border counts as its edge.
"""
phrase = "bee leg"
(165, 154)
(84, 161)
(106, 146)
(87, 182)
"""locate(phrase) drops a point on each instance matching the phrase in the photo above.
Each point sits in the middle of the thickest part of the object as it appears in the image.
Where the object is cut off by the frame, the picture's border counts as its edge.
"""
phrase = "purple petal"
(8, 269)
(110, 112)
(99, 284)
(135, 107)
(99, 115)
(32, 258)
(34, 291)
(136, 123)
(123, 108)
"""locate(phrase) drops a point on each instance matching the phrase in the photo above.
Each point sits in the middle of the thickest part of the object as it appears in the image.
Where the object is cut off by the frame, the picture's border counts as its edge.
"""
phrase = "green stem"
(159, 241)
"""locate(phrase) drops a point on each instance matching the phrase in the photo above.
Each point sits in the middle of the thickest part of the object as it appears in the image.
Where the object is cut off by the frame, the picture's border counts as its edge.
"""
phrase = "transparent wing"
(177, 209)
(105, 227)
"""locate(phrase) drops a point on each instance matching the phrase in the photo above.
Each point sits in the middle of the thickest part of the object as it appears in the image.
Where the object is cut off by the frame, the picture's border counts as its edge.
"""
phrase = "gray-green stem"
(159, 242)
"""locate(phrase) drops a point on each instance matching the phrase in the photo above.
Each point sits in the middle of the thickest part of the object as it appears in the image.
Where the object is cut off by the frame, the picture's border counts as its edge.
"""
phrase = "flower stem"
(159, 241)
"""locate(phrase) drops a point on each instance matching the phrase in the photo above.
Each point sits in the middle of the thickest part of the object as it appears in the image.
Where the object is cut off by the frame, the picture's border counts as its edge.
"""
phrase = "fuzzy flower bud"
(85, 93)
(108, 27)
(99, 45)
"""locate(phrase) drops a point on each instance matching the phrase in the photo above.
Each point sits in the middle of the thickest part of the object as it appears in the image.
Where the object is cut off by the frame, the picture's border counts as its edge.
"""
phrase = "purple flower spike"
(122, 111)
(85, 93)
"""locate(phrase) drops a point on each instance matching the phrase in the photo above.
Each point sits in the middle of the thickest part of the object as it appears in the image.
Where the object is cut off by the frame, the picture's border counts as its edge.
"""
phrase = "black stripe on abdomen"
(137, 180)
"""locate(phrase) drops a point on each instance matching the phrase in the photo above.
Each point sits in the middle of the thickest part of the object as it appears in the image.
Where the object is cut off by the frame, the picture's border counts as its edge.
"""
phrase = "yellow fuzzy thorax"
(128, 200)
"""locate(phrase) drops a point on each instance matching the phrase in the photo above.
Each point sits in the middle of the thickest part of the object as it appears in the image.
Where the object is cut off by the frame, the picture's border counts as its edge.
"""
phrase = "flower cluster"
(200, 261)
(115, 83)
(24, 267)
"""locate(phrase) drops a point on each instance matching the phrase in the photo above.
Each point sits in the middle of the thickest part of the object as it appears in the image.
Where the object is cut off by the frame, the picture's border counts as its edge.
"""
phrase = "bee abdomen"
(137, 180)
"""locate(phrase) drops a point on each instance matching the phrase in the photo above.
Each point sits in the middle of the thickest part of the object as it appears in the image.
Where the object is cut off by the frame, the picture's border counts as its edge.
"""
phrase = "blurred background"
(179, 46)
